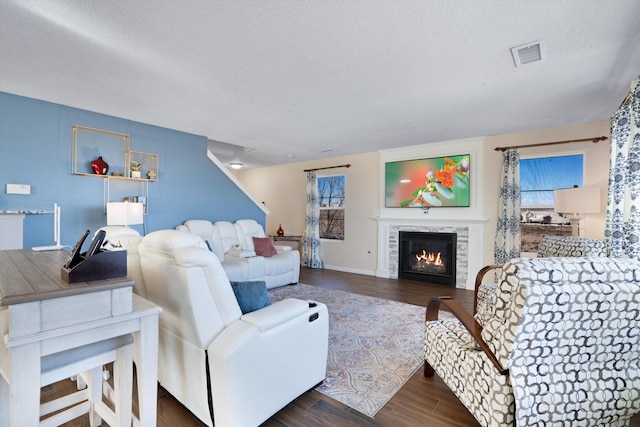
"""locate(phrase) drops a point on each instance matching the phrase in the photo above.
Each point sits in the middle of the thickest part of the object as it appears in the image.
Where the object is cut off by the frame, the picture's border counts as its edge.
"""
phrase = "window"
(331, 198)
(539, 177)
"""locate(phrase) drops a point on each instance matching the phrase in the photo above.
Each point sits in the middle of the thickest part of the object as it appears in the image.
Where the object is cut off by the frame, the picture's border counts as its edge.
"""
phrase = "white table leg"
(5, 396)
(25, 385)
(146, 358)
(123, 382)
(94, 383)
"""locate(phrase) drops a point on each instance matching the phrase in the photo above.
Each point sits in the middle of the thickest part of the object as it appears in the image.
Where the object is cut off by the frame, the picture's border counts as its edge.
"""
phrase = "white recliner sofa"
(233, 245)
(248, 366)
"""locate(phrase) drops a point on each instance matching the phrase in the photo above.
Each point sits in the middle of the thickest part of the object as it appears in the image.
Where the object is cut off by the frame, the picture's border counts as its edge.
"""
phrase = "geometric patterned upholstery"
(570, 246)
(455, 357)
(485, 302)
(568, 331)
(550, 246)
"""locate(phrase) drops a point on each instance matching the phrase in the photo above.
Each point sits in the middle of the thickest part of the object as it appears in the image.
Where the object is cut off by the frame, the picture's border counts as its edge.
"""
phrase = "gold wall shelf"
(115, 149)
(149, 162)
(90, 143)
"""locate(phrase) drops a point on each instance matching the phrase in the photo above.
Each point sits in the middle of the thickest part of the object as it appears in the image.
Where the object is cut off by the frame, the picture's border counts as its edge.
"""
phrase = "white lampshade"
(578, 200)
(125, 213)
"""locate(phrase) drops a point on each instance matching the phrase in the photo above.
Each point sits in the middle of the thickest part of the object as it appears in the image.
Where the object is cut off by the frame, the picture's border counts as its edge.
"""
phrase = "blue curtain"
(622, 226)
(311, 242)
(507, 244)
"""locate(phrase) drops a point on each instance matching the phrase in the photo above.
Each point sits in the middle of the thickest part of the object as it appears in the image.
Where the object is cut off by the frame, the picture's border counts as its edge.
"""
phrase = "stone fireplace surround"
(468, 250)
(427, 245)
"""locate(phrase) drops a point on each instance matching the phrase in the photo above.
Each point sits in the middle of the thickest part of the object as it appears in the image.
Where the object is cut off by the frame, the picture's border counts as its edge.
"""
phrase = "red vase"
(99, 166)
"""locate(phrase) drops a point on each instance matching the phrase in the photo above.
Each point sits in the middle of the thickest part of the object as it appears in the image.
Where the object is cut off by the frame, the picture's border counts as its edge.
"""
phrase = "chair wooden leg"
(428, 370)
(94, 383)
(123, 382)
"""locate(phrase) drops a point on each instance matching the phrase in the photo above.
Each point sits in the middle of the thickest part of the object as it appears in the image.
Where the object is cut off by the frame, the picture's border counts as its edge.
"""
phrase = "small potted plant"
(135, 169)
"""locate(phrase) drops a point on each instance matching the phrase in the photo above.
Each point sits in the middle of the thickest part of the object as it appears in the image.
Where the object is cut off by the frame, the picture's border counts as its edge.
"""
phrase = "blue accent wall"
(36, 149)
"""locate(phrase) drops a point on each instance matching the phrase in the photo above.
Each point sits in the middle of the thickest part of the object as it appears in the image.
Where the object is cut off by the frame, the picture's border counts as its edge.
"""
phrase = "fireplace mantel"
(425, 220)
(470, 233)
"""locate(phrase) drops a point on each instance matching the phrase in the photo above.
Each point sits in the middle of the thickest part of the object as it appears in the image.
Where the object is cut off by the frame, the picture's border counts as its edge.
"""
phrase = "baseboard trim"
(350, 270)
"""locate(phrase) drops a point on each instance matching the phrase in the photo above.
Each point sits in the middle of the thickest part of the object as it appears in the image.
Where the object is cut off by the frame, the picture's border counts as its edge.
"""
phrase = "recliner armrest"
(241, 253)
(276, 313)
(467, 321)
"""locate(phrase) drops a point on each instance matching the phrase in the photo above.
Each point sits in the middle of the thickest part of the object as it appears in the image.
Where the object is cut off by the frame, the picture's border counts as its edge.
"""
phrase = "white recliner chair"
(247, 366)
(280, 269)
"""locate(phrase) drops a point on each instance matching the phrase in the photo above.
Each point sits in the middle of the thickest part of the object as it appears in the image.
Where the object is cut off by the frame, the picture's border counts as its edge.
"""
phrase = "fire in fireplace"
(429, 263)
(428, 257)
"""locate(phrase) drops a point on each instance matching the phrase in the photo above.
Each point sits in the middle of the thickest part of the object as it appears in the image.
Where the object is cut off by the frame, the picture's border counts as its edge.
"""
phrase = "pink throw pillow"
(264, 246)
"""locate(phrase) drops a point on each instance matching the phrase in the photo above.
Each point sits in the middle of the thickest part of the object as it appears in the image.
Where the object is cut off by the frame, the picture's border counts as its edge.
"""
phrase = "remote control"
(96, 243)
(74, 256)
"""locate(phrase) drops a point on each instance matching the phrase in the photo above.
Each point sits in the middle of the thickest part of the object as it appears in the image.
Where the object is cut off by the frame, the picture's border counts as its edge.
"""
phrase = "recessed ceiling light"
(529, 53)
(235, 165)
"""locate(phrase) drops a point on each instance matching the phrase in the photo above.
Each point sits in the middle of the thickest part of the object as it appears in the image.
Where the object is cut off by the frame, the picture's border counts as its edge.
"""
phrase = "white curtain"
(311, 243)
(622, 226)
(507, 244)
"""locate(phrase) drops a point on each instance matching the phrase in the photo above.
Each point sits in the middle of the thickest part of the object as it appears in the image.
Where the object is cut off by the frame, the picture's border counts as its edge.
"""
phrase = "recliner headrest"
(169, 240)
(201, 227)
(226, 229)
(195, 257)
(250, 226)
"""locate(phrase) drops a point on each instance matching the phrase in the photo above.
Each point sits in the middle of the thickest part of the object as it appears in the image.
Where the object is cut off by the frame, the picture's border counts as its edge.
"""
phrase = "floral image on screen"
(425, 183)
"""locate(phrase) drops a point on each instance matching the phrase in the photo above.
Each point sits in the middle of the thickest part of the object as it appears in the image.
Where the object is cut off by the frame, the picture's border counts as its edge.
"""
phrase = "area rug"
(375, 345)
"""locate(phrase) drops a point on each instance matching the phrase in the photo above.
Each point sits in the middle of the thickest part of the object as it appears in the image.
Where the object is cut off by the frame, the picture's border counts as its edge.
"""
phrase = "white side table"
(47, 315)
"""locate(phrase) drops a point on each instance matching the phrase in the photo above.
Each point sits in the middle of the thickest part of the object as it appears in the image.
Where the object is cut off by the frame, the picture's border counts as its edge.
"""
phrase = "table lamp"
(577, 201)
(125, 213)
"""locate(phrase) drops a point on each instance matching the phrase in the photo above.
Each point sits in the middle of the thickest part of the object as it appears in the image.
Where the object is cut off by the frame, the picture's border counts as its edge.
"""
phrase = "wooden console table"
(288, 238)
(41, 315)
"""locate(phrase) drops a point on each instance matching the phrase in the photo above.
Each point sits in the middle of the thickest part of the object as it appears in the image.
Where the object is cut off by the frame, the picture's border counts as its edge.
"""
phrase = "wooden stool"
(87, 360)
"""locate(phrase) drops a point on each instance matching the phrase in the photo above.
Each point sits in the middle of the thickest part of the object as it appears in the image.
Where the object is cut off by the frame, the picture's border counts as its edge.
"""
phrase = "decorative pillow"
(264, 246)
(251, 295)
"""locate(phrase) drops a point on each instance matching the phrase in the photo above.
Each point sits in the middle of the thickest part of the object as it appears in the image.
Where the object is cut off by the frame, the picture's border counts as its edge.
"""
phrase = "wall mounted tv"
(426, 183)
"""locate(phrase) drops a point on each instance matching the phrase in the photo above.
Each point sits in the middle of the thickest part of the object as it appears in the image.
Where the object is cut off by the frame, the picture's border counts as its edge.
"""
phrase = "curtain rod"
(594, 140)
(626, 99)
(328, 167)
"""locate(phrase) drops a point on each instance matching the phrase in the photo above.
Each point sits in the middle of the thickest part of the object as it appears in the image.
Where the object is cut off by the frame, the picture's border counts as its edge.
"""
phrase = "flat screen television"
(426, 183)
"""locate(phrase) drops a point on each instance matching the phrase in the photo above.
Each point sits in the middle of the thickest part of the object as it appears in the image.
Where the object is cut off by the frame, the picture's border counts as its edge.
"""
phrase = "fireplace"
(427, 257)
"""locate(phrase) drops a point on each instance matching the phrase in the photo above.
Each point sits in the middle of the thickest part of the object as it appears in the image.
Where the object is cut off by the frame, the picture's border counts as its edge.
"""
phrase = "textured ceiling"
(274, 82)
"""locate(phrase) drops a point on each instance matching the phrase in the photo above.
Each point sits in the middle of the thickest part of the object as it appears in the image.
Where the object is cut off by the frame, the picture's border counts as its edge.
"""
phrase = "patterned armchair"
(550, 246)
(560, 345)
(563, 246)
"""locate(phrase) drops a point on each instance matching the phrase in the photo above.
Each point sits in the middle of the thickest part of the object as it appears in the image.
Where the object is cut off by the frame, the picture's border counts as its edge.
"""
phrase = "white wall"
(283, 188)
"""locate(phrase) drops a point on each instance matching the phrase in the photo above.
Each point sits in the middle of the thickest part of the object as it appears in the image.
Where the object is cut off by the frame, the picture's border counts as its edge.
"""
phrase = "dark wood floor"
(420, 402)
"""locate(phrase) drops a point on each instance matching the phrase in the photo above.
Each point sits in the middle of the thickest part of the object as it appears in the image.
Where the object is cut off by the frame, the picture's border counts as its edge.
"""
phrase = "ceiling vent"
(529, 53)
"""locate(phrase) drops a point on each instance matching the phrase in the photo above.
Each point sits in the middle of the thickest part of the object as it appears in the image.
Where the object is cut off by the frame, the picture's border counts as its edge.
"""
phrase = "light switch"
(18, 189)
